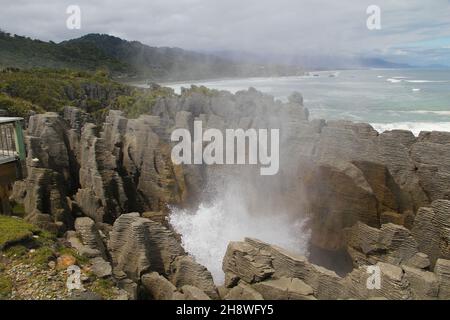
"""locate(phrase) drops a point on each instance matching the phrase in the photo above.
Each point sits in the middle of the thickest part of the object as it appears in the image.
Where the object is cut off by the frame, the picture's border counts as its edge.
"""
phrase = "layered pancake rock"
(335, 174)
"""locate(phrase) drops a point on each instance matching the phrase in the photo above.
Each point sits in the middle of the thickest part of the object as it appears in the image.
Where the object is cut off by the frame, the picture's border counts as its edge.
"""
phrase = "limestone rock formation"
(385, 198)
(431, 160)
(48, 145)
(90, 237)
(420, 260)
(44, 199)
(345, 172)
(243, 291)
(284, 289)
(141, 149)
(99, 172)
(193, 293)
(432, 230)
(442, 271)
(50, 168)
(424, 284)
(158, 287)
(76, 118)
(249, 263)
(393, 283)
(391, 243)
(294, 277)
(101, 196)
(352, 175)
(185, 271)
(253, 261)
(139, 245)
(100, 267)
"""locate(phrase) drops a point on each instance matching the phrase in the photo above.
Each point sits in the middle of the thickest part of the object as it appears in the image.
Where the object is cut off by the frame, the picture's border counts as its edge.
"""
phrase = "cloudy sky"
(412, 31)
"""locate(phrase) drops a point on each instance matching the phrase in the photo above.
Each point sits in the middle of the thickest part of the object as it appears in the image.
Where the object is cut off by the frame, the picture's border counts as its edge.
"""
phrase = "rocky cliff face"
(382, 197)
(274, 273)
(76, 168)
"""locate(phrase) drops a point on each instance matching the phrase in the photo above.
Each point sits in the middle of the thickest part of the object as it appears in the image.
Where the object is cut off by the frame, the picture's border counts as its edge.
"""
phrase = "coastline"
(408, 103)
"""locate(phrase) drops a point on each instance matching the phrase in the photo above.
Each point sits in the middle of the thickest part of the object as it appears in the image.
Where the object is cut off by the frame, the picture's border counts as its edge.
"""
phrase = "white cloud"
(283, 26)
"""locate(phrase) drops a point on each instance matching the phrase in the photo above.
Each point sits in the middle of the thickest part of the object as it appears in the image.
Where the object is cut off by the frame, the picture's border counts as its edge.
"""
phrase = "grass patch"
(45, 238)
(42, 256)
(17, 237)
(104, 288)
(13, 230)
(5, 287)
(17, 251)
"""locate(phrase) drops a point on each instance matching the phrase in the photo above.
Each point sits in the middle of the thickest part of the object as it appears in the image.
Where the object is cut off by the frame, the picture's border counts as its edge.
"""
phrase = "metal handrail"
(12, 145)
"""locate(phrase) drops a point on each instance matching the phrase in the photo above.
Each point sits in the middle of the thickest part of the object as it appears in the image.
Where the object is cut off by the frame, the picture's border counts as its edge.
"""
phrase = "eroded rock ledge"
(338, 172)
(382, 197)
(147, 258)
(255, 269)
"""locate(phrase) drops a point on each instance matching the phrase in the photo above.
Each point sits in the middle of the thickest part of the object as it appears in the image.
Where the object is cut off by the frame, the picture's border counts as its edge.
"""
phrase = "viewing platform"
(12, 146)
(12, 155)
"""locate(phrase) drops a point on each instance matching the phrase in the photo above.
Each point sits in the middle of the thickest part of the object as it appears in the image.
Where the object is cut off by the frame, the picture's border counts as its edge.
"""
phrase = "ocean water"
(412, 99)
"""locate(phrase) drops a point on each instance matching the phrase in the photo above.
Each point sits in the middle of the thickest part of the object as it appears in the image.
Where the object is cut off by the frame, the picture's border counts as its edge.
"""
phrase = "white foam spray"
(414, 127)
(207, 231)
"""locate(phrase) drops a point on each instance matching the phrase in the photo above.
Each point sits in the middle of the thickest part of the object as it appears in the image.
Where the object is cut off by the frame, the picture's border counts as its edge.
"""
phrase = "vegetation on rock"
(126, 59)
(5, 285)
(141, 101)
(13, 230)
(24, 92)
(23, 52)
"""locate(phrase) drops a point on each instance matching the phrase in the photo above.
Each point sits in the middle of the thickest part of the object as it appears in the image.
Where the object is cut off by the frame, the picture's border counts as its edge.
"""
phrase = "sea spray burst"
(207, 231)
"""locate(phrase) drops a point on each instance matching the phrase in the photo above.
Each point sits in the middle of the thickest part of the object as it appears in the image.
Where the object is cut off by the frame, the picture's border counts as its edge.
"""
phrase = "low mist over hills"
(128, 59)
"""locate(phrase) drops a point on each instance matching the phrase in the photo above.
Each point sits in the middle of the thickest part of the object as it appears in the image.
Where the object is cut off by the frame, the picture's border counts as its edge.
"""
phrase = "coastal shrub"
(141, 101)
(199, 89)
(17, 107)
(50, 90)
(40, 90)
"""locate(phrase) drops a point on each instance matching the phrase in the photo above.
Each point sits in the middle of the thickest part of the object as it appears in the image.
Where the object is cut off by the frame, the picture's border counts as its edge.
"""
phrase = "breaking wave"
(426, 81)
(392, 80)
(414, 127)
(438, 112)
(206, 232)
